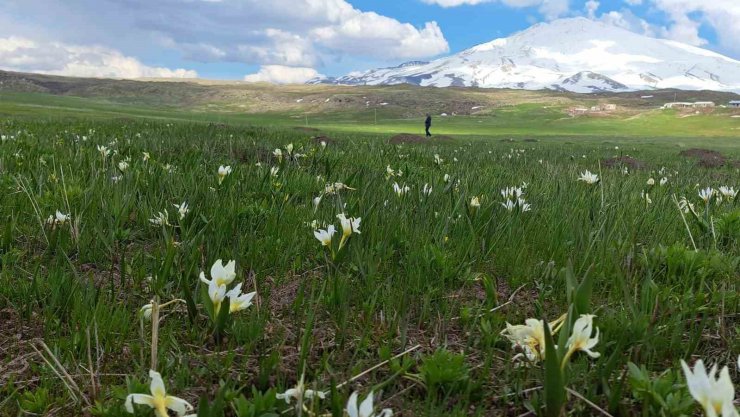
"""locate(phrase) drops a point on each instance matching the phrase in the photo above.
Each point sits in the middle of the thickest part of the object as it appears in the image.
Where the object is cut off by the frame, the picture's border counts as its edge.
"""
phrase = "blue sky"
(293, 40)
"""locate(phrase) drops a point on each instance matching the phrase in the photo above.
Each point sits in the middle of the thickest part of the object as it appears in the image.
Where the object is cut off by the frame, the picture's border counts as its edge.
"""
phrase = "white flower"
(223, 171)
(728, 192)
(389, 172)
(645, 196)
(58, 219)
(123, 166)
(160, 219)
(278, 153)
(104, 151)
(239, 301)
(447, 178)
(650, 182)
(159, 400)
(580, 338)
(663, 181)
(530, 337)
(509, 205)
(299, 393)
(715, 395)
(475, 202)
(182, 209)
(349, 224)
(426, 190)
(274, 171)
(145, 156)
(325, 236)
(706, 194)
(217, 294)
(316, 201)
(588, 178)
(437, 159)
(366, 407)
(289, 148)
(146, 311)
(400, 190)
(221, 274)
(323, 144)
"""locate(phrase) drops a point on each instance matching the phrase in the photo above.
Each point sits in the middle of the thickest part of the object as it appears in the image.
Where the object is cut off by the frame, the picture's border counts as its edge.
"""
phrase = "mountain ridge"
(576, 54)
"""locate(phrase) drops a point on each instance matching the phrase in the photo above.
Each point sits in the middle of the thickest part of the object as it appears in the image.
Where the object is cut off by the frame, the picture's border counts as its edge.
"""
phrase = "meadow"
(555, 274)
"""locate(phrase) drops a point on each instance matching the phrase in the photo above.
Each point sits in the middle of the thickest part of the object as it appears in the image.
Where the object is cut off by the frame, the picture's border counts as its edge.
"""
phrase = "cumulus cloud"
(23, 54)
(280, 74)
(292, 33)
(688, 15)
(591, 7)
(550, 9)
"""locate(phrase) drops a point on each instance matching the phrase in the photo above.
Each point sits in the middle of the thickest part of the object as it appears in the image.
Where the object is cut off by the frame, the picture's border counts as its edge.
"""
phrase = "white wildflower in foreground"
(715, 395)
(182, 209)
(123, 166)
(706, 194)
(104, 151)
(588, 177)
(223, 171)
(727, 192)
(349, 225)
(366, 408)
(325, 236)
(278, 153)
(58, 219)
(159, 400)
(221, 274)
(475, 202)
(530, 337)
(426, 190)
(160, 219)
(400, 190)
(580, 338)
(300, 394)
(651, 182)
(645, 196)
(663, 181)
(239, 301)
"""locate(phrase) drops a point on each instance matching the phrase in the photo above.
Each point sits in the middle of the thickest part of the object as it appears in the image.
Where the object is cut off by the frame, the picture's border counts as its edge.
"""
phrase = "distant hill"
(397, 100)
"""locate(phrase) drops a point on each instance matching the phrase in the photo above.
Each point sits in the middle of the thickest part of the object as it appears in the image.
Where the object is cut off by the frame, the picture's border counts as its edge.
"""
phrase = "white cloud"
(279, 74)
(688, 15)
(23, 54)
(633, 2)
(551, 9)
(274, 32)
(591, 7)
(627, 20)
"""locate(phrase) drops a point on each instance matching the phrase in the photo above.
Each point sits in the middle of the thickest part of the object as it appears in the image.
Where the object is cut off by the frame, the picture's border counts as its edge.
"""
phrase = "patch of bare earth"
(410, 138)
(706, 158)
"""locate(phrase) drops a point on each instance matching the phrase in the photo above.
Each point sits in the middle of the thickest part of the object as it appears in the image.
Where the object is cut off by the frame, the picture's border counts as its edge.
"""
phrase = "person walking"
(428, 124)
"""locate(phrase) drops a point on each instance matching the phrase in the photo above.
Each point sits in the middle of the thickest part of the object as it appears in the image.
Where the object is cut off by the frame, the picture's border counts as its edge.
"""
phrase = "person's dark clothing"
(428, 124)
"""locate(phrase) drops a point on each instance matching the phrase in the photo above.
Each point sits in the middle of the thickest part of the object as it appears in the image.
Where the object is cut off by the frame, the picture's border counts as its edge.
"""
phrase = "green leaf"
(554, 381)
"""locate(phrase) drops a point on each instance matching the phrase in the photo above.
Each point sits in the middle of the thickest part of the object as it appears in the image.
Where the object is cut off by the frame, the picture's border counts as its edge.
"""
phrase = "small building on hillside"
(678, 105)
(703, 104)
(578, 110)
(735, 104)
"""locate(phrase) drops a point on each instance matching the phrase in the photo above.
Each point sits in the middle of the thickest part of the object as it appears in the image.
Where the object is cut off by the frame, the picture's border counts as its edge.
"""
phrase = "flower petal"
(178, 405)
(137, 399)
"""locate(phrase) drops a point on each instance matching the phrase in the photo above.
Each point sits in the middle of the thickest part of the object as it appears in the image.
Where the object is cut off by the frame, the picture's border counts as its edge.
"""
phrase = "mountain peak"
(575, 54)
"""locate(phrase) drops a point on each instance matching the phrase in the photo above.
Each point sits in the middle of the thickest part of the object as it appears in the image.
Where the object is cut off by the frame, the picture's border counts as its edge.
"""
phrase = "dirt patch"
(409, 138)
(306, 129)
(16, 357)
(624, 161)
(707, 158)
(326, 139)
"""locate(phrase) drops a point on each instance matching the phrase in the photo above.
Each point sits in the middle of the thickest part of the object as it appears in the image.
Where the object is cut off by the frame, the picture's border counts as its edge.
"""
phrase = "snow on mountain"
(576, 54)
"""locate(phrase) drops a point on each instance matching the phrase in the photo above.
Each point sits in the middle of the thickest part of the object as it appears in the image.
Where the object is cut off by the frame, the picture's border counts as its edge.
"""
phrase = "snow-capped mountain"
(577, 54)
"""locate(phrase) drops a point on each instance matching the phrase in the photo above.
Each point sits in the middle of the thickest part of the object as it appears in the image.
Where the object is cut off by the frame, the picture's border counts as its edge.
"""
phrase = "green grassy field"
(412, 304)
